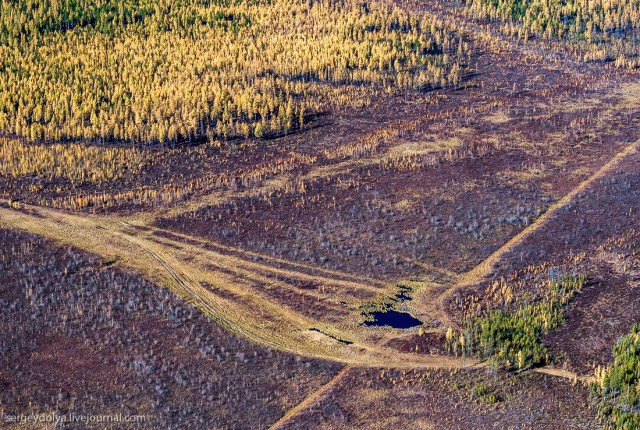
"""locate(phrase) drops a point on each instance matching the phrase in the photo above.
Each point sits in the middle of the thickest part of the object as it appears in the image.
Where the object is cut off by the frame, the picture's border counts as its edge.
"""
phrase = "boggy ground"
(80, 335)
(440, 192)
(384, 399)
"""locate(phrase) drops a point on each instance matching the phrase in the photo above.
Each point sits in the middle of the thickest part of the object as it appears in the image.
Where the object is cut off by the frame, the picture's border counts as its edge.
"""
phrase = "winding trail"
(237, 288)
(485, 267)
(238, 292)
(260, 297)
(237, 304)
(233, 290)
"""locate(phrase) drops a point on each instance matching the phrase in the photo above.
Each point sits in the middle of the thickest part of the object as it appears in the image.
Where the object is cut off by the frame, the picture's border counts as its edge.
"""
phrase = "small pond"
(393, 319)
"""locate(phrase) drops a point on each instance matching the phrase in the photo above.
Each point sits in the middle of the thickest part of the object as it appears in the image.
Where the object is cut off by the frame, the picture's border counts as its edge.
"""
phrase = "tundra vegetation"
(304, 173)
(82, 336)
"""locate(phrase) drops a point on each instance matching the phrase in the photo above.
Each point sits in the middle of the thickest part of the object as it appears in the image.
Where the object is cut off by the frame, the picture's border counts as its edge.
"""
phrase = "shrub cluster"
(512, 338)
(617, 387)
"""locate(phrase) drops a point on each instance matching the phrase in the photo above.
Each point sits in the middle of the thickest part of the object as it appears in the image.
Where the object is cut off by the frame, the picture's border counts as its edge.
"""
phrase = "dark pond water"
(393, 319)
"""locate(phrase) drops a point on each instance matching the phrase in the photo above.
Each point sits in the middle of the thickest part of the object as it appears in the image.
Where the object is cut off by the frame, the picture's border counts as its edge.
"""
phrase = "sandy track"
(484, 269)
(202, 277)
(238, 307)
(311, 399)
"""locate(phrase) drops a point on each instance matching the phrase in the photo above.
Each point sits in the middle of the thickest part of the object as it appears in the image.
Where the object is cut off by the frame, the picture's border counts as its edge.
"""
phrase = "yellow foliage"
(78, 163)
(214, 70)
